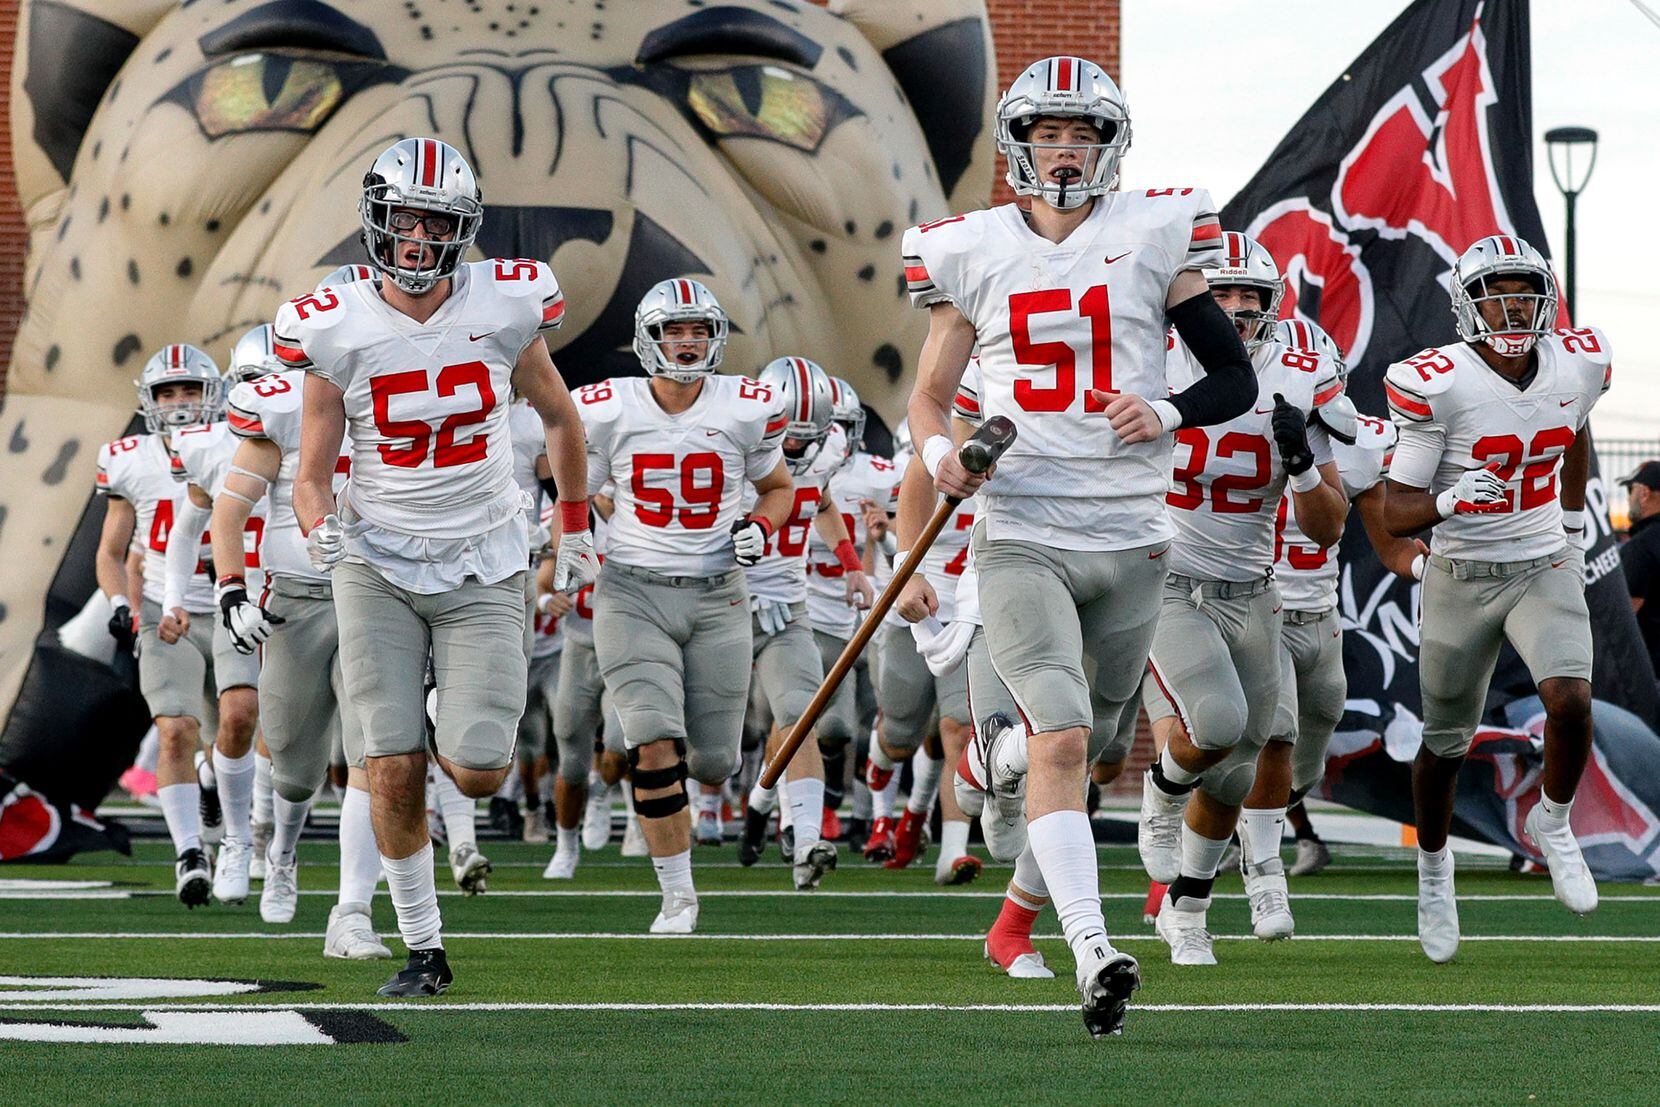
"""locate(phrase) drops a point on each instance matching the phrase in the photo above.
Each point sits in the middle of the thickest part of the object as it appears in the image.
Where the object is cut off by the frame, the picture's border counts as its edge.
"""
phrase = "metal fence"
(1618, 457)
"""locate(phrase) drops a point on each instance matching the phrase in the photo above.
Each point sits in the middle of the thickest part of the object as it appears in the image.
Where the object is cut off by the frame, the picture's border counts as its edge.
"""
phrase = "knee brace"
(674, 776)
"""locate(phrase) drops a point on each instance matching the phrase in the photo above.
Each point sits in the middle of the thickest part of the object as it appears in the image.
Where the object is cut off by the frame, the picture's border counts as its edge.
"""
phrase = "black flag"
(1422, 146)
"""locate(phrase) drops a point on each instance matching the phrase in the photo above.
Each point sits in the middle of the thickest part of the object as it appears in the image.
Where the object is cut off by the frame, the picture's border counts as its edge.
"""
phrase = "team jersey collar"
(447, 316)
(697, 404)
(1073, 244)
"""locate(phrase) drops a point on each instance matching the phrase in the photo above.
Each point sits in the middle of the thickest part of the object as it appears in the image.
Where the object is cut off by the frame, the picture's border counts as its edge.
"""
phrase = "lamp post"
(1562, 144)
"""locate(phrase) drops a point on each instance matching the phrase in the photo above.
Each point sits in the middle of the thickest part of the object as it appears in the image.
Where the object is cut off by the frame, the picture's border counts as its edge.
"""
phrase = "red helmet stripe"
(804, 390)
(1063, 78)
(683, 290)
(430, 159)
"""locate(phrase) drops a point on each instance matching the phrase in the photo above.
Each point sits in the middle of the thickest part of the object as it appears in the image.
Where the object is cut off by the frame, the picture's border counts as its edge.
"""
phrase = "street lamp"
(1563, 143)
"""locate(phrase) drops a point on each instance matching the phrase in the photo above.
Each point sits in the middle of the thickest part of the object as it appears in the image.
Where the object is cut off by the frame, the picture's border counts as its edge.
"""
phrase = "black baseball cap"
(1647, 474)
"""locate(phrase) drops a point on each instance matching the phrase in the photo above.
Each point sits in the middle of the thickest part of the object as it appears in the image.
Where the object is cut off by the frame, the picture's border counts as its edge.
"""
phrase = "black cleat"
(506, 818)
(193, 878)
(208, 807)
(754, 842)
(786, 845)
(426, 974)
(1106, 991)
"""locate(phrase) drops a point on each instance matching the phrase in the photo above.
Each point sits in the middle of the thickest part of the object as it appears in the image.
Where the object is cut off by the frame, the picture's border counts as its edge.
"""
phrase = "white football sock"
(359, 856)
(149, 750)
(415, 896)
(674, 871)
(1554, 814)
(925, 782)
(236, 793)
(288, 819)
(881, 799)
(786, 817)
(262, 788)
(1437, 863)
(1010, 752)
(805, 797)
(1201, 856)
(763, 799)
(455, 809)
(953, 842)
(1028, 880)
(1172, 771)
(1064, 847)
(1260, 832)
(569, 840)
(180, 808)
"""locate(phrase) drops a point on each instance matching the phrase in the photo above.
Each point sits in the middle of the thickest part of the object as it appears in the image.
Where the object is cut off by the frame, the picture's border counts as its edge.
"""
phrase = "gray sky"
(1213, 88)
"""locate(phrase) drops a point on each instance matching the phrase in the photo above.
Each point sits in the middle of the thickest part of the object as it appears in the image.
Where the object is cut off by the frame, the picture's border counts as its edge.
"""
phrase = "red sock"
(1011, 935)
(1155, 900)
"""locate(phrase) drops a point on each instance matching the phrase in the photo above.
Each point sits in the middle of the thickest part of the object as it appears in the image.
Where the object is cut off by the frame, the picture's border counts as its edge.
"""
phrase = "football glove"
(1291, 436)
(121, 622)
(248, 623)
(575, 566)
(326, 544)
(771, 616)
(1478, 492)
(942, 646)
(749, 540)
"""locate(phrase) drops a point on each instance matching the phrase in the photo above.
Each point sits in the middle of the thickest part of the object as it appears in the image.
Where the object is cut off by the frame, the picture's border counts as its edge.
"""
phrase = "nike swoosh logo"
(476, 337)
(712, 434)
(1265, 411)
(1558, 564)
(1120, 257)
(1565, 403)
(1156, 556)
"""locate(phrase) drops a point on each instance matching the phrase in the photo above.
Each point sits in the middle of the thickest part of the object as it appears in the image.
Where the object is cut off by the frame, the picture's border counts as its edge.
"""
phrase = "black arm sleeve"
(1229, 386)
(548, 487)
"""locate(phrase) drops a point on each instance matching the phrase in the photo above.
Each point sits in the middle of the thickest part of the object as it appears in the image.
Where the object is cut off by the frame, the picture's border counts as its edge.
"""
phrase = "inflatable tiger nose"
(185, 167)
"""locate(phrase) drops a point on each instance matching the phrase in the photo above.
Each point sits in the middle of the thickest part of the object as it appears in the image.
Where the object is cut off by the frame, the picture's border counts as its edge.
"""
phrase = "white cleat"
(536, 826)
(1028, 966)
(1437, 913)
(1270, 906)
(281, 894)
(1003, 819)
(1569, 875)
(1312, 856)
(679, 913)
(1184, 931)
(1159, 835)
(351, 935)
(709, 831)
(262, 841)
(596, 819)
(634, 840)
(811, 865)
(471, 869)
(563, 865)
(230, 875)
(1106, 979)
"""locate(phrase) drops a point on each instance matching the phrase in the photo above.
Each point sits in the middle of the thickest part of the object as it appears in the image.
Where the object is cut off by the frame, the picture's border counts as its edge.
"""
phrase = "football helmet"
(252, 357)
(678, 300)
(1498, 256)
(846, 409)
(1067, 87)
(1300, 334)
(431, 177)
(179, 364)
(1247, 263)
(806, 392)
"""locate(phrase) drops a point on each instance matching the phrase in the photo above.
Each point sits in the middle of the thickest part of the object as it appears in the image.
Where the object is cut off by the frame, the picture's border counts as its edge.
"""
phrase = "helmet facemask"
(1255, 325)
(1535, 320)
(679, 300)
(1097, 169)
(171, 415)
(385, 243)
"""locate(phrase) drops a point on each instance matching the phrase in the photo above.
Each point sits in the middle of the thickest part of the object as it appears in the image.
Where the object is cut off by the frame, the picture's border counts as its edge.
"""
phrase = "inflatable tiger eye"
(187, 166)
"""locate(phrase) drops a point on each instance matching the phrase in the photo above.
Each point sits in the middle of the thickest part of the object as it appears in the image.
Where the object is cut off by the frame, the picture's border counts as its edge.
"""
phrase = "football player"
(671, 610)
(1068, 303)
(1492, 456)
(1312, 684)
(178, 387)
(787, 665)
(426, 543)
(201, 461)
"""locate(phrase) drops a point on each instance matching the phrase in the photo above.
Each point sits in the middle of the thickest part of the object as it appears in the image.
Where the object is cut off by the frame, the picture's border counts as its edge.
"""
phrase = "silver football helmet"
(179, 364)
(1300, 334)
(252, 357)
(846, 409)
(429, 177)
(1500, 256)
(678, 300)
(1247, 263)
(1069, 88)
(806, 392)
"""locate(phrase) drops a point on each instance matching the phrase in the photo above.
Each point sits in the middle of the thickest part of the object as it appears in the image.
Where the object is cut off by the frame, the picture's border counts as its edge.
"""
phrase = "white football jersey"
(1054, 321)
(202, 456)
(427, 403)
(865, 477)
(680, 479)
(781, 574)
(547, 636)
(139, 470)
(530, 443)
(270, 408)
(1456, 414)
(1227, 480)
(1307, 574)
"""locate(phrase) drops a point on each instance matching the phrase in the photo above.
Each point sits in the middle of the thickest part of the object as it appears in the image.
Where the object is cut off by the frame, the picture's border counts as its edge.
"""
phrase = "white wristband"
(1573, 521)
(1446, 504)
(118, 600)
(934, 451)
(1169, 417)
(1307, 480)
(1417, 570)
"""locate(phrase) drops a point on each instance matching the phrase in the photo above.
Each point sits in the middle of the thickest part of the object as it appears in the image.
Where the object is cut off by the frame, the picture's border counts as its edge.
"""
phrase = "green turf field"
(871, 989)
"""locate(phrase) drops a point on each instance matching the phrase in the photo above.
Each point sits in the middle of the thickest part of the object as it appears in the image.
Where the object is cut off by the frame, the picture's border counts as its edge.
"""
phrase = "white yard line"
(617, 936)
(442, 1007)
(71, 892)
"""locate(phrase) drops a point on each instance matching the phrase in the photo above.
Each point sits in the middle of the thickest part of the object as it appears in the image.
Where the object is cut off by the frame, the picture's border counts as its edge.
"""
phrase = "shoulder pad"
(1588, 347)
(299, 319)
(1193, 218)
(525, 279)
(927, 250)
(1410, 385)
(252, 402)
(597, 402)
